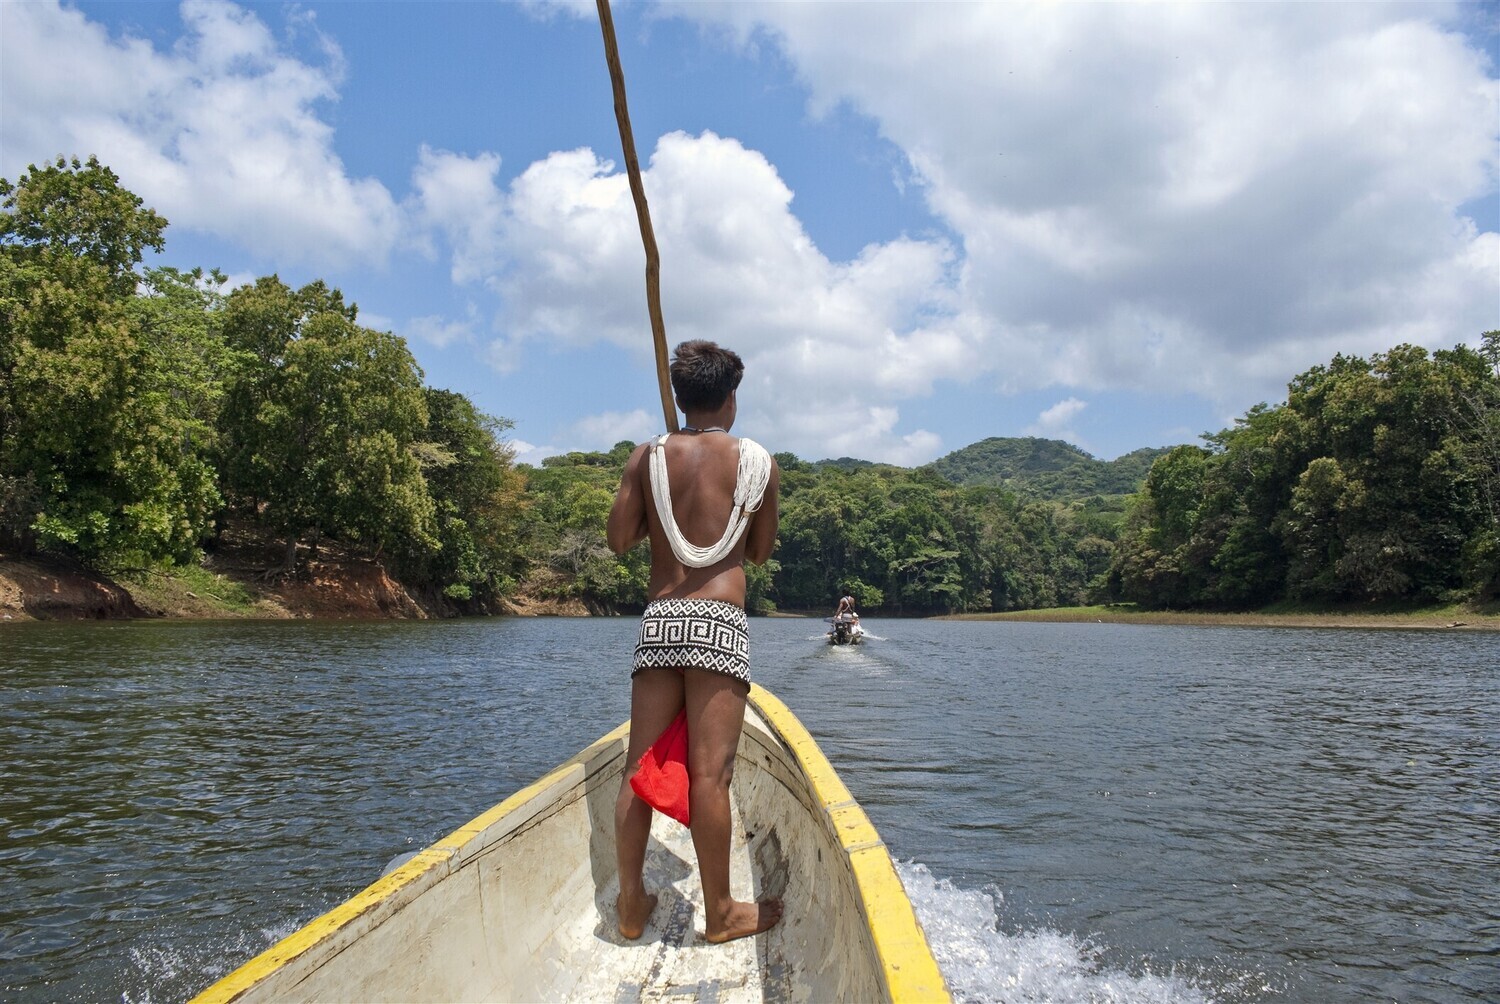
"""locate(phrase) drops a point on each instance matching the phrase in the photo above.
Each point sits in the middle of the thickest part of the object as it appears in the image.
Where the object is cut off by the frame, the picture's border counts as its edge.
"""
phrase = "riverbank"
(238, 580)
(1453, 617)
(234, 583)
(39, 589)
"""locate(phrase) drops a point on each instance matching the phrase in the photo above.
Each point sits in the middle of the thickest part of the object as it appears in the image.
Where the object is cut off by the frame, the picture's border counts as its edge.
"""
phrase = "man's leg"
(716, 713)
(655, 698)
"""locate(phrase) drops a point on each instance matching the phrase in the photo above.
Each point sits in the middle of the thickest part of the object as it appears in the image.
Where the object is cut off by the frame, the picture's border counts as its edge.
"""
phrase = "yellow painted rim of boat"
(911, 973)
(439, 854)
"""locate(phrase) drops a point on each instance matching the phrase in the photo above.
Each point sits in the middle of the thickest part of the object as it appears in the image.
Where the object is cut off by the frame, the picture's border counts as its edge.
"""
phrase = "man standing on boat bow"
(702, 485)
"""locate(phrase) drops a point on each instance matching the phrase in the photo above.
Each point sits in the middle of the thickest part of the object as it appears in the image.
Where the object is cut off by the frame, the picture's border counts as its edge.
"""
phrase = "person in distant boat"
(685, 492)
(845, 615)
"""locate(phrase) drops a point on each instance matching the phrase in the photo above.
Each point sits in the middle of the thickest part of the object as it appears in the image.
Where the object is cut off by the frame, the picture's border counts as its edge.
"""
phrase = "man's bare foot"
(634, 914)
(745, 919)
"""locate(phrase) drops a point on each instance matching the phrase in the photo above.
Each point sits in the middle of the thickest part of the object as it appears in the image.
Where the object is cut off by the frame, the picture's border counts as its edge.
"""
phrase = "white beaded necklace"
(750, 481)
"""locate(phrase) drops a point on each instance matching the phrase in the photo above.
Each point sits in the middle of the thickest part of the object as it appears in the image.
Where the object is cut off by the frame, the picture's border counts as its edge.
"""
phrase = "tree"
(1476, 423)
(1154, 565)
(570, 497)
(478, 496)
(71, 216)
(1376, 480)
(1245, 489)
(97, 452)
(1411, 502)
(321, 421)
(758, 582)
(1311, 526)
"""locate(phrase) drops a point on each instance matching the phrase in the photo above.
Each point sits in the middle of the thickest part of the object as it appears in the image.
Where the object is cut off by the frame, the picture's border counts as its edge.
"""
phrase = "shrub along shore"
(1447, 617)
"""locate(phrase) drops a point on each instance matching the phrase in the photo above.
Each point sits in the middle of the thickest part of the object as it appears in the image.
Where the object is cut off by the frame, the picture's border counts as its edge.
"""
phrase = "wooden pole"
(643, 215)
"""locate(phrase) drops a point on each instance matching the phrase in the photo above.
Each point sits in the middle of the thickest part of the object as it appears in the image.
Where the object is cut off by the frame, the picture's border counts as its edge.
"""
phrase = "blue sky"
(921, 224)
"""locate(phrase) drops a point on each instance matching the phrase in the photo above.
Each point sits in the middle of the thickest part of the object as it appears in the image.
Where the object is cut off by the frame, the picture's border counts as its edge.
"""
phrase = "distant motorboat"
(845, 632)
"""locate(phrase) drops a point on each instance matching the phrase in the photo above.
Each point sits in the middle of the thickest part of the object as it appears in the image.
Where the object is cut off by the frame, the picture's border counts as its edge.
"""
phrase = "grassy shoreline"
(1455, 617)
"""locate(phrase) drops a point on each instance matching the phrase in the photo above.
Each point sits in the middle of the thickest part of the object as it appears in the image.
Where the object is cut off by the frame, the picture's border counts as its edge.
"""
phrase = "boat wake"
(983, 964)
(174, 971)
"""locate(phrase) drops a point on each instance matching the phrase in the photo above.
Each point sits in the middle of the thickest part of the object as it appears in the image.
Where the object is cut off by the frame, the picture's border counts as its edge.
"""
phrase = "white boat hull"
(518, 905)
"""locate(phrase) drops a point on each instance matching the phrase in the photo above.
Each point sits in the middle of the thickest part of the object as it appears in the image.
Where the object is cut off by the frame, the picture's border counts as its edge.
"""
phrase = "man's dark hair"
(704, 375)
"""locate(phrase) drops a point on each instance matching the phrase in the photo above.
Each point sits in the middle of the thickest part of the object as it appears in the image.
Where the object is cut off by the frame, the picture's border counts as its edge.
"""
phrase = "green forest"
(144, 411)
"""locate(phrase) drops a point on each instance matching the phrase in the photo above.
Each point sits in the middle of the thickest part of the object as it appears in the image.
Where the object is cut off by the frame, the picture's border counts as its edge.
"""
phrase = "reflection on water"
(1083, 812)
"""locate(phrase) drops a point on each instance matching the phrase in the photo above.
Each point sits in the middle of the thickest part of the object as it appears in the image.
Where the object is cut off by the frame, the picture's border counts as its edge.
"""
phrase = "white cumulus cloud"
(608, 428)
(435, 329)
(222, 133)
(1056, 422)
(560, 246)
(530, 453)
(1207, 196)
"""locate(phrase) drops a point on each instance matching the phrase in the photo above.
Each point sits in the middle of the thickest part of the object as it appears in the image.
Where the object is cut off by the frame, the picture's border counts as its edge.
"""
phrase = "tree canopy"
(141, 408)
(96, 450)
(1376, 480)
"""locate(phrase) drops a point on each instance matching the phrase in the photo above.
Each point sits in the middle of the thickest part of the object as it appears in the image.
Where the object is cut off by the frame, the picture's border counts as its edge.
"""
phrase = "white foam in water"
(158, 965)
(982, 964)
(164, 965)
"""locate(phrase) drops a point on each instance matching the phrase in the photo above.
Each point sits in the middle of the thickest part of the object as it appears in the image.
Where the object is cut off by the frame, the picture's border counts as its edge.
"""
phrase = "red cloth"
(661, 777)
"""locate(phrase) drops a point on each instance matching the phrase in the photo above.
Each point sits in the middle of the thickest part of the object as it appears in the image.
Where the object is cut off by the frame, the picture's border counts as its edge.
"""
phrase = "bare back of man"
(701, 468)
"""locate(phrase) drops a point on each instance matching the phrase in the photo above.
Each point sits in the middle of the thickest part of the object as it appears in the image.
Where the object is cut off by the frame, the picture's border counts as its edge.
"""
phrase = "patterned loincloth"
(701, 634)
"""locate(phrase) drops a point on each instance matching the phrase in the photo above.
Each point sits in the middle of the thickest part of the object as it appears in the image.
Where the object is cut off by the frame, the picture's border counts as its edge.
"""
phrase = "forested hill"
(1046, 468)
(850, 464)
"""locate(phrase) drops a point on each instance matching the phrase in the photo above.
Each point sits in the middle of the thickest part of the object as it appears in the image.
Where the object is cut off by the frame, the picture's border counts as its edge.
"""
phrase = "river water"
(1084, 812)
